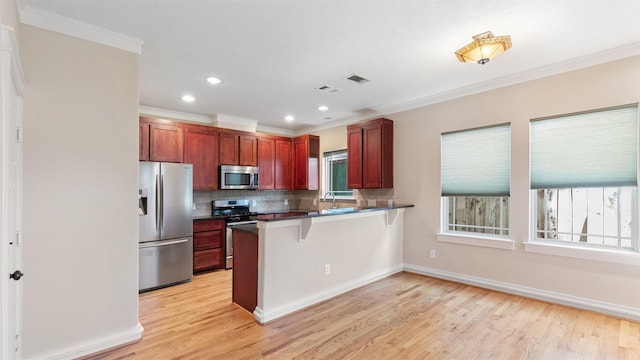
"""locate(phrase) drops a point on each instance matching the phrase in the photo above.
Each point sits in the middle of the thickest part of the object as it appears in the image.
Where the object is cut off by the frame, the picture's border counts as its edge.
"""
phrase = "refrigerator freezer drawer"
(164, 263)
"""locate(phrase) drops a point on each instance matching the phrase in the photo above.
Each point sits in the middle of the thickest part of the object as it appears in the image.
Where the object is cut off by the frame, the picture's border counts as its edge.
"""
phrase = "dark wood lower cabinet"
(208, 244)
(245, 269)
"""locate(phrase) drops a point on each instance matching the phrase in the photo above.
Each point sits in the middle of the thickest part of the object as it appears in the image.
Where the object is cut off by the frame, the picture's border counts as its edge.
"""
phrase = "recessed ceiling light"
(323, 108)
(188, 98)
(289, 118)
(213, 80)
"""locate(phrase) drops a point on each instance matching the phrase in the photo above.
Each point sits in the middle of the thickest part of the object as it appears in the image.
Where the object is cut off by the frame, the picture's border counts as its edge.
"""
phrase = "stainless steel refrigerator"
(166, 224)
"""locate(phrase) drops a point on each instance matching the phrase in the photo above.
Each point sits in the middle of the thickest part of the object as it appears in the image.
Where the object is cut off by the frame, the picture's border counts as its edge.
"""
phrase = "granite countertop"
(301, 214)
(305, 213)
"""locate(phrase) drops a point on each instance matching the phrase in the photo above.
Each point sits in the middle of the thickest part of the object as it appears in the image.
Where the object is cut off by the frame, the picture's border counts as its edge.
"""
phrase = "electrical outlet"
(371, 203)
(286, 201)
(432, 253)
(315, 201)
(327, 269)
(254, 203)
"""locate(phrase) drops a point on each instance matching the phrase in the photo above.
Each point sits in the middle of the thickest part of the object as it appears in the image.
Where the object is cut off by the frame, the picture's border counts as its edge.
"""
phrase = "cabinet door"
(207, 240)
(266, 163)
(372, 157)
(300, 154)
(166, 143)
(143, 142)
(200, 150)
(354, 158)
(229, 147)
(283, 165)
(208, 259)
(248, 150)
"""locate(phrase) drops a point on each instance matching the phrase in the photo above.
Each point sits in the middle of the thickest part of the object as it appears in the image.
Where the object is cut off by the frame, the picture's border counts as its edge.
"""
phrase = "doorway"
(11, 185)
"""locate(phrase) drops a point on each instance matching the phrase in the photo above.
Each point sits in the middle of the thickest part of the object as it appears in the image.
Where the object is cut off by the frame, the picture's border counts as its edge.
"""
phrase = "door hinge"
(19, 135)
(18, 238)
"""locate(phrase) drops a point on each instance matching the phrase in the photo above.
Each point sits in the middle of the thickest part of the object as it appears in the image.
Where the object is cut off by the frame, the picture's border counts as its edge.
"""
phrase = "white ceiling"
(272, 55)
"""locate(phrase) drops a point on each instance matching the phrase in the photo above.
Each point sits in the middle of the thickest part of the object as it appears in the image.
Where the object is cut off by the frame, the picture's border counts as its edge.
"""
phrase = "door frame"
(11, 213)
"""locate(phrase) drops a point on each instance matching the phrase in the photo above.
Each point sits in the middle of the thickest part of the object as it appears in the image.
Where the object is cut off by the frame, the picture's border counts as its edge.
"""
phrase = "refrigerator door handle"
(165, 243)
(161, 203)
(157, 204)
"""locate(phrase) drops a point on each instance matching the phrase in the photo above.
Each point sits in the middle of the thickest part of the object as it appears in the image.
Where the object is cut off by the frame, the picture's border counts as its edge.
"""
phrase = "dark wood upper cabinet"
(266, 164)
(354, 158)
(229, 148)
(248, 152)
(143, 142)
(238, 149)
(306, 167)
(166, 143)
(370, 154)
(201, 149)
(283, 165)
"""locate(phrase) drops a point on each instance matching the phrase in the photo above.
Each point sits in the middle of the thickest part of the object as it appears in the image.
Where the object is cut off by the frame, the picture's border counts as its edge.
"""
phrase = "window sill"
(612, 256)
(477, 240)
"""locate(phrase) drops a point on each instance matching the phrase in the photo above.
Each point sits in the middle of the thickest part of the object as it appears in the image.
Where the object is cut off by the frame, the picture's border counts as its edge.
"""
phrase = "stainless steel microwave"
(235, 177)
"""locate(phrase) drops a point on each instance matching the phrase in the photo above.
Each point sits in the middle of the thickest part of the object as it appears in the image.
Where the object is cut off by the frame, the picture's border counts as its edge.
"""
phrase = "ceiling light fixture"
(188, 98)
(289, 118)
(213, 80)
(323, 108)
(484, 47)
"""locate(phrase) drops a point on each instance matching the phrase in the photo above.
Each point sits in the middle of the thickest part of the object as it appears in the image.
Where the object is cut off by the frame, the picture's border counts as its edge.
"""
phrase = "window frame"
(580, 251)
(495, 241)
(327, 157)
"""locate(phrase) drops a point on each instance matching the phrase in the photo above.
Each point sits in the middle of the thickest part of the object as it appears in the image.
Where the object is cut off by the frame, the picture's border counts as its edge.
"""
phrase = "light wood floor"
(404, 316)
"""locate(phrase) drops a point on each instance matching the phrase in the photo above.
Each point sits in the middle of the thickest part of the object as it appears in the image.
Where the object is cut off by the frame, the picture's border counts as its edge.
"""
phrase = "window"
(584, 178)
(590, 216)
(335, 174)
(475, 179)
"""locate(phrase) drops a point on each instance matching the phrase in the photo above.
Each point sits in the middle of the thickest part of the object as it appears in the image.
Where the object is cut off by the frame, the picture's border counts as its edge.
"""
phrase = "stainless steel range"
(234, 212)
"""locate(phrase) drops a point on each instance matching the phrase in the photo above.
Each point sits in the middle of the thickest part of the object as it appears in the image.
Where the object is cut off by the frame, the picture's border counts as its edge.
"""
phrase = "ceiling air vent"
(328, 89)
(357, 78)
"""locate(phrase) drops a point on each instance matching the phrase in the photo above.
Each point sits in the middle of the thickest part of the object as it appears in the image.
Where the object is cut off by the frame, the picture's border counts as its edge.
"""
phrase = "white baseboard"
(93, 346)
(619, 311)
(265, 316)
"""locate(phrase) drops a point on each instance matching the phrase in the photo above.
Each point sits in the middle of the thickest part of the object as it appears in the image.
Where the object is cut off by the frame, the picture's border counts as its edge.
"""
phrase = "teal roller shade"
(594, 149)
(476, 162)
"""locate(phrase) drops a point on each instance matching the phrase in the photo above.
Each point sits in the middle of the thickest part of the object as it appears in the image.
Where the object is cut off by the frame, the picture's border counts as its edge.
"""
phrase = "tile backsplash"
(267, 201)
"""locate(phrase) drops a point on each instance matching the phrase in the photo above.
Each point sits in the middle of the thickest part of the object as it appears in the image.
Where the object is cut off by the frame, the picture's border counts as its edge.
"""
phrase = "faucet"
(333, 195)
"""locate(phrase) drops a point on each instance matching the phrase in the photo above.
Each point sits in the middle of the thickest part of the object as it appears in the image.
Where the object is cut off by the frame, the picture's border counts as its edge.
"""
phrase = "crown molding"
(601, 57)
(276, 130)
(174, 115)
(53, 22)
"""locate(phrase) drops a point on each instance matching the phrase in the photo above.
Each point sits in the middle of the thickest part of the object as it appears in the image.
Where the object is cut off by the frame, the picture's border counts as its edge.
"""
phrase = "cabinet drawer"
(207, 259)
(207, 225)
(207, 239)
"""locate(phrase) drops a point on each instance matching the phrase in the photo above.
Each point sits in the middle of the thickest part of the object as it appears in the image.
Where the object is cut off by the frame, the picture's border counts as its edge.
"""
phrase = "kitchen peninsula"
(305, 257)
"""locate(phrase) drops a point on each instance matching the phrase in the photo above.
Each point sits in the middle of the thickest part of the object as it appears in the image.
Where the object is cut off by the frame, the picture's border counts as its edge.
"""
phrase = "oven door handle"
(242, 222)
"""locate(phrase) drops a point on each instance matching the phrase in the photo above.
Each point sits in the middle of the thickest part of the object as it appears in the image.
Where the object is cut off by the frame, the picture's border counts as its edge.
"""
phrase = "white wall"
(359, 248)
(81, 177)
(417, 181)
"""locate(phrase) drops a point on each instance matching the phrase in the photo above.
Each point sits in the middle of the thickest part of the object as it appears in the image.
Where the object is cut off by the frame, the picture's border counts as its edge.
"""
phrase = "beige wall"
(80, 188)
(8, 16)
(417, 181)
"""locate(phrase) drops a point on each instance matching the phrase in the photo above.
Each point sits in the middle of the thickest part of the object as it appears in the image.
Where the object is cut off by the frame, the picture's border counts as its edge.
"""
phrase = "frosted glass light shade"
(484, 47)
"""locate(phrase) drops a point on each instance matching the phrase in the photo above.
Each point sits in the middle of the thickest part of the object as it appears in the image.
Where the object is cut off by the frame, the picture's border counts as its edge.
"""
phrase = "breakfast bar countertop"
(302, 214)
